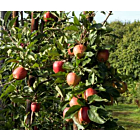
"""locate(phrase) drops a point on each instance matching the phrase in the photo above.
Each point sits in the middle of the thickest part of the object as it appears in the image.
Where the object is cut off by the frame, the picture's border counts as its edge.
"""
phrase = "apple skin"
(64, 112)
(35, 107)
(19, 73)
(89, 92)
(73, 79)
(103, 55)
(49, 15)
(73, 101)
(57, 66)
(83, 115)
(79, 50)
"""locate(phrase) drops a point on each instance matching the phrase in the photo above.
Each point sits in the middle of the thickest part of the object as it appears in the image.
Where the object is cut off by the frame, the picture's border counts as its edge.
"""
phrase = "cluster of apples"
(73, 79)
(82, 115)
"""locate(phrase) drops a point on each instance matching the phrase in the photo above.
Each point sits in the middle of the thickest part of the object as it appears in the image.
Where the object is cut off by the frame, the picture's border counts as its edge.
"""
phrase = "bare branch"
(8, 83)
(110, 12)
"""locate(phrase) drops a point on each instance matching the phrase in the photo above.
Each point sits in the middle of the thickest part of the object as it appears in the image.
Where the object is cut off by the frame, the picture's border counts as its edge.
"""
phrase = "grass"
(128, 115)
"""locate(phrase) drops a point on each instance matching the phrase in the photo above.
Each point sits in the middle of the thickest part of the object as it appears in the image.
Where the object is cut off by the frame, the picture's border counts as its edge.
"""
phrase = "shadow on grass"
(127, 115)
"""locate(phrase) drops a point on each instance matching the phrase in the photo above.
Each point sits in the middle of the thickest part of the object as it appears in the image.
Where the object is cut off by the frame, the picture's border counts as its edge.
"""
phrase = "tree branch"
(110, 12)
(8, 83)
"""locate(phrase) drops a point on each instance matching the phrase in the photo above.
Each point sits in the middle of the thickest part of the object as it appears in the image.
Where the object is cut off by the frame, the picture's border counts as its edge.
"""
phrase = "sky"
(123, 16)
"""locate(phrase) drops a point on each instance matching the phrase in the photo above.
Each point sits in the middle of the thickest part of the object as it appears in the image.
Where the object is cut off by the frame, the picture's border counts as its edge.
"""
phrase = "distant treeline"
(125, 50)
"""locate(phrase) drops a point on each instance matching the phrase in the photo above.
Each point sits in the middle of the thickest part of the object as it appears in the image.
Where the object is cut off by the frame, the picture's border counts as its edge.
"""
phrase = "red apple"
(73, 79)
(64, 112)
(35, 107)
(89, 92)
(57, 66)
(79, 50)
(73, 101)
(103, 55)
(83, 115)
(49, 15)
(19, 73)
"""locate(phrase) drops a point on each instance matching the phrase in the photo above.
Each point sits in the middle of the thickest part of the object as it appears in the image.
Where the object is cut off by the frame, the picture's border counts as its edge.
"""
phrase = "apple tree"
(56, 73)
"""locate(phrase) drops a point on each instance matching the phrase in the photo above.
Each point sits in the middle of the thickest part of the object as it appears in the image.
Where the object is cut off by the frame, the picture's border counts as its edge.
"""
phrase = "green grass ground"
(128, 115)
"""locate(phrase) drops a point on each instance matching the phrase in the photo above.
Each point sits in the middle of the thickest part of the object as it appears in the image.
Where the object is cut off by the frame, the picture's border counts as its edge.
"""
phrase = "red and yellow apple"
(57, 66)
(48, 15)
(83, 115)
(19, 73)
(35, 107)
(73, 79)
(89, 92)
(79, 50)
(73, 101)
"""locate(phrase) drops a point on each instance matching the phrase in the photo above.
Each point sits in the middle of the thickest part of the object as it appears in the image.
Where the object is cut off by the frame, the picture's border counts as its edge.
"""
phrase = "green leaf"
(89, 54)
(72, 28)
(6, 16)
(59, 74)
(11, 60)
(9, 89)
(76, 21)
(4, 32)
(92, 37)
(31, 44)
(68, 66)
(86, 62)
(59, 90)
(72, 111)
(95, 97)
(112, 91)
(76, 121)
(36, 65)
(81, 101)
(18, 100)
(92, 80)
(60, 80)
(97, 25)
(94, 116)
(1, 58)
(11, 23)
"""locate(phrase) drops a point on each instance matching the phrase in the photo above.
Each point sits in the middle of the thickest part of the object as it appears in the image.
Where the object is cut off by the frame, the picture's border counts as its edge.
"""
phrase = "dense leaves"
(36, 51)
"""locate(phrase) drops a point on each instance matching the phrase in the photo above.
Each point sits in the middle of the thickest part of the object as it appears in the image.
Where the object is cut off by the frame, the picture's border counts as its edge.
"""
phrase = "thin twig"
(107, 17)
(8, 83)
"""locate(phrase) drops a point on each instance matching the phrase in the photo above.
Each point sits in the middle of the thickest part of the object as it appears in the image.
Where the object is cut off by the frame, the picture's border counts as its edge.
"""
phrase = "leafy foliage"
(36, 51)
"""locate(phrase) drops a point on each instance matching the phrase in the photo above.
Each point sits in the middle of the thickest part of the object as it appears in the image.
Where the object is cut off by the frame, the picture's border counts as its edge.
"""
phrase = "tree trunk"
(28, 110)
(34, 23)
(14, 14)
